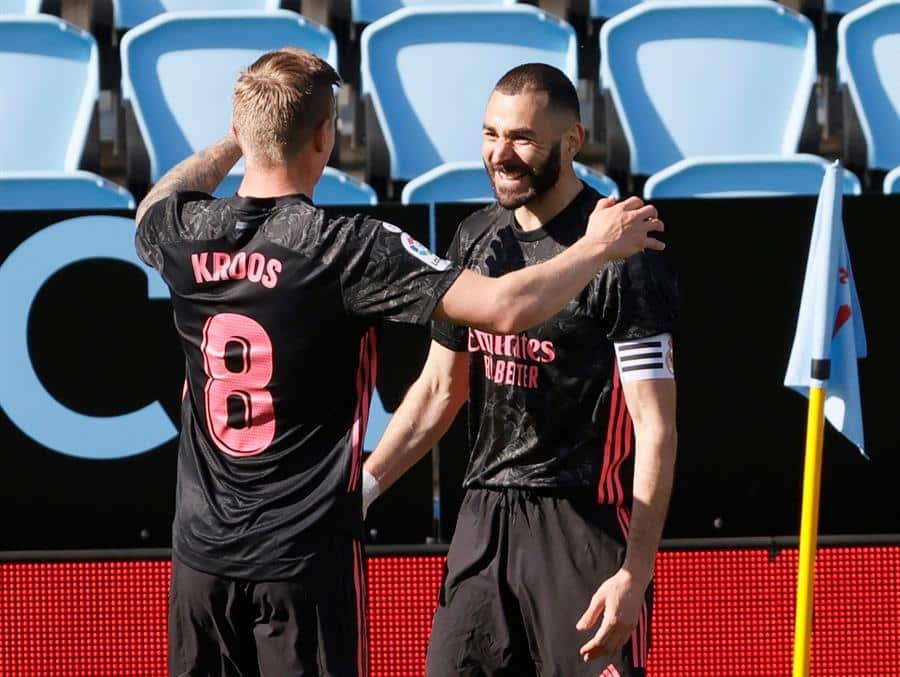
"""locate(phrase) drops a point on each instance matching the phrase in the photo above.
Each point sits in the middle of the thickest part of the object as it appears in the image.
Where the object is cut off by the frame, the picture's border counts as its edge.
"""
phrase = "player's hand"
(623, 229)
(618, 602)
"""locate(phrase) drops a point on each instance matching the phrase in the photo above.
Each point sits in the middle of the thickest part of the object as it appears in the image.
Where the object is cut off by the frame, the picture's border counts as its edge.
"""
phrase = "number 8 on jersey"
(240, 411)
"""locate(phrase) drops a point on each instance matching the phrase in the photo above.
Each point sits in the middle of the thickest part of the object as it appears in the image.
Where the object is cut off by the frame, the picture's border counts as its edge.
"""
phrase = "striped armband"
(646, 358)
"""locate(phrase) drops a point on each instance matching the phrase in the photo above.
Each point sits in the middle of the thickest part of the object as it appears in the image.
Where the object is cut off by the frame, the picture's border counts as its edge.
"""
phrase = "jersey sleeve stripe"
(616, 402)
(643, 367)
(636, 346)
(641, 356)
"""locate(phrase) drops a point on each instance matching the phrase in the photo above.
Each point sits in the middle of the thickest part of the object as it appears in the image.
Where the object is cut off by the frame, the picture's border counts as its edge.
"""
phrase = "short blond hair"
(279, 101)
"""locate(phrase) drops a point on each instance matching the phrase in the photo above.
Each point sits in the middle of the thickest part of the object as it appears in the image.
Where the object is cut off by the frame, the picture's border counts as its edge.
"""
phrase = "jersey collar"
(563, 219)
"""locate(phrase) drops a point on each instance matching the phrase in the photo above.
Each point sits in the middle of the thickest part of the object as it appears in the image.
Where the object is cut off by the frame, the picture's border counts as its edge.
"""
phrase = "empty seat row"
(684, 79)
(46, 126)
(427, 73)
(117, 16)
(178, 72)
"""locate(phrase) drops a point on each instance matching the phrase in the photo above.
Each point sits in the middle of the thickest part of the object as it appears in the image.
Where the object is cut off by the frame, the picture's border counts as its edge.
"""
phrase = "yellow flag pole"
(809, 529)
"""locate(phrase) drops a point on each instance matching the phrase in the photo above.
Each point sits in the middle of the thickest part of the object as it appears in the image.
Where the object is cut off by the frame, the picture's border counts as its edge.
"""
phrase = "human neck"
(286, 179)
(545, 206)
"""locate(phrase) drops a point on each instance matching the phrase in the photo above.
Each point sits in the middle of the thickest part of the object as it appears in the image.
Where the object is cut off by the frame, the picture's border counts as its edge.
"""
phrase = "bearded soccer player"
(275, 305)
(571, 423)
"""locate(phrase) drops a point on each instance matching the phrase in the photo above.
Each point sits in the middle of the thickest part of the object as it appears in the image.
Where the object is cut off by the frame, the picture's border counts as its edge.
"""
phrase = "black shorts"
(311, 625)
(521, 570)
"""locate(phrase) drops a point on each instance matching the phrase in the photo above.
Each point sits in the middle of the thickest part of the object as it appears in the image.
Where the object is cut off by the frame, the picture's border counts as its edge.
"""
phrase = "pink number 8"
(246, 387)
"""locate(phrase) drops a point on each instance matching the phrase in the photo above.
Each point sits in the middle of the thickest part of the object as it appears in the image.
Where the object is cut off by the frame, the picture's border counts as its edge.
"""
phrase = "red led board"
(718, 613)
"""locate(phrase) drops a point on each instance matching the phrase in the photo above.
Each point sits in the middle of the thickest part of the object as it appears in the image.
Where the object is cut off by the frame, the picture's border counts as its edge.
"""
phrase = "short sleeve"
(161, 223)
(156, 221)
(452, 336)
(388, 274)
(640, 297)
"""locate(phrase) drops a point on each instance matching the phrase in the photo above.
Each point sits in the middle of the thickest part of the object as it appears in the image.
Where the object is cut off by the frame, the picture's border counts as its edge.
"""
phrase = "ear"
(320, 136)
(574, 137)
(234, 133)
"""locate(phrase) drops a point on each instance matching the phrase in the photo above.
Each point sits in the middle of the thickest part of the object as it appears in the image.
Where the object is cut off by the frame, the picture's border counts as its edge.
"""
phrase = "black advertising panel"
(91, 376)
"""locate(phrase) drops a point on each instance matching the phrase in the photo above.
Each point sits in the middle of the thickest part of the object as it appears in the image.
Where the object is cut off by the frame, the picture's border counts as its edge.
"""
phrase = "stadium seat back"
(60, 190)
(367, 11)
(869, 66)
(339, 188)
(429, 72)
(48, 71)
(892, 182)
(179, 71)
(707, 77)
(744, 176)
(599, 182)
(843, 6)
(604, 9)
(130, 13)
(450, 182)
(21, 7)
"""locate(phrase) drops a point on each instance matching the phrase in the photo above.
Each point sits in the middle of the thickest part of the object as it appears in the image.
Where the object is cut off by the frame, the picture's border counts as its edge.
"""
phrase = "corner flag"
(830, 335)
(828, 341)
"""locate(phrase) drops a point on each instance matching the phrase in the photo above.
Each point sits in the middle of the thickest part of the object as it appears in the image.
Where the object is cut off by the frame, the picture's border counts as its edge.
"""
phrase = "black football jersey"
(274, 303)
(546, 409)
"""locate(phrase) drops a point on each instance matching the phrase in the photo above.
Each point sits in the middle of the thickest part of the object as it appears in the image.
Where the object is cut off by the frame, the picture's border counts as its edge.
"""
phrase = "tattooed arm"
(202, 171)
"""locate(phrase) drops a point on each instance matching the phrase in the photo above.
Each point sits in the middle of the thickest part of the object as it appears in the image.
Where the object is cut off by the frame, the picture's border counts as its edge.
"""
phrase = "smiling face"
(523, 146)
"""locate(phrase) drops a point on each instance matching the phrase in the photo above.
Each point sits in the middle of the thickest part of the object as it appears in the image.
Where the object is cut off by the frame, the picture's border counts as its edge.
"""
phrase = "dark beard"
(541, 179)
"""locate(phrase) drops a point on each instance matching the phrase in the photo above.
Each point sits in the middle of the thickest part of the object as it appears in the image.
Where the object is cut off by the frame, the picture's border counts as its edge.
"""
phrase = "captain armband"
(646, 358)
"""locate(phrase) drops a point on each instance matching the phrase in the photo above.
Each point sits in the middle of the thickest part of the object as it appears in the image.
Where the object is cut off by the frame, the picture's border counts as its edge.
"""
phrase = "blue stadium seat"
(427, 73)
(110, 19)
(334, 188)
(367, 11)
(339, 188)
(21, 7)
(61, 190)
(605, 9)
(48, 74)
(468, 182)
(130, 13)
(892, 182)
(178, 74)
(744, 176)
(869, 71)
(599, 182)
(705, 77)
(843, 6)
(464, 181)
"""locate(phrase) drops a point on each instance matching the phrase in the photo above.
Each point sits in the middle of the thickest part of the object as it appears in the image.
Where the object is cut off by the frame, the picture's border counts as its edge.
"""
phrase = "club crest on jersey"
(423, 253)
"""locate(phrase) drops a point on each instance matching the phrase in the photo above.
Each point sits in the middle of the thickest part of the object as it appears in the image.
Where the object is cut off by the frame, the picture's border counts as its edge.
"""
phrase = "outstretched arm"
(427, 411)
(203, 171)
(619, 599)
(521, 299)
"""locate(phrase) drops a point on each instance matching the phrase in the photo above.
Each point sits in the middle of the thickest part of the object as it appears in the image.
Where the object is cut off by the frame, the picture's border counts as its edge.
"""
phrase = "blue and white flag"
(830, 329)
